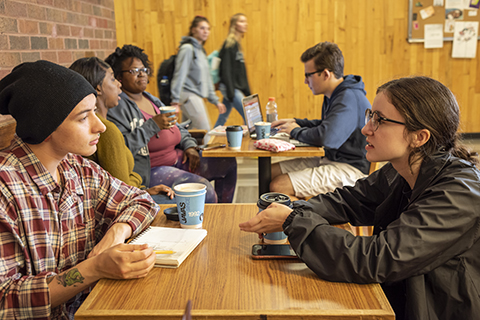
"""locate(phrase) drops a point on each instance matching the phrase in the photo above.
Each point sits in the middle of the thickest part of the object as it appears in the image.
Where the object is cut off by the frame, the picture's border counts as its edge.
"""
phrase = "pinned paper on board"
(427, 12)
(453, 14)
(459, 4)
(433, 36)
(465, 39)
(474, 4)
(438, 3)
(449, 26)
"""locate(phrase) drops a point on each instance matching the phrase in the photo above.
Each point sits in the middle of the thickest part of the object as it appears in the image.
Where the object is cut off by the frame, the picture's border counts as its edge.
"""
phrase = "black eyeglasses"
(308, 75)
(136, 71)
(377, 119)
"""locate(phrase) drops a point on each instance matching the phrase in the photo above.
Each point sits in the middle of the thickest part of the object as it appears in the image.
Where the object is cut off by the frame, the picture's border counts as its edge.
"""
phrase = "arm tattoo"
(70, 277)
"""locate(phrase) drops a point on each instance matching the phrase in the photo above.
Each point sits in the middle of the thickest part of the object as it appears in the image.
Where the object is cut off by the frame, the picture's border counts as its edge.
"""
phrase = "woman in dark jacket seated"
(424, 206)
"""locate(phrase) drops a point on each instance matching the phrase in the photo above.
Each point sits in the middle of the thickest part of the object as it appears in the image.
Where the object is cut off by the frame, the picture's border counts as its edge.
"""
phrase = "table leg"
(264, 174)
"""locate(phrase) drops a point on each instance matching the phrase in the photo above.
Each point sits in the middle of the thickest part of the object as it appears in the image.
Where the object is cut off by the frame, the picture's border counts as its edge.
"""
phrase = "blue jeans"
(236, 103)
(222, 170)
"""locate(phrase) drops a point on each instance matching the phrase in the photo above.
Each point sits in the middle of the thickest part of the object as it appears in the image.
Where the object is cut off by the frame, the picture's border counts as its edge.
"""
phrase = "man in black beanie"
(63, 219)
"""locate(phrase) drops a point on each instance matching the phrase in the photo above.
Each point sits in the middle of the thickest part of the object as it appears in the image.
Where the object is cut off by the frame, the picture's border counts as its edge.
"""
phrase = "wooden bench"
(7, 130)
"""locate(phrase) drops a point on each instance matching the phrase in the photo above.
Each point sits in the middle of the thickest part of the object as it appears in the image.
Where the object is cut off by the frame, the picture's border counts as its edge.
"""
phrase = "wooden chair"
(187, 315)
(198, 134)
(7, 130)
(374, 166)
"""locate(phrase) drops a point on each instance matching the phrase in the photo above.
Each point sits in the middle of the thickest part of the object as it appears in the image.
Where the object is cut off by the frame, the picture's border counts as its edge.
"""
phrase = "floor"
(247, 183)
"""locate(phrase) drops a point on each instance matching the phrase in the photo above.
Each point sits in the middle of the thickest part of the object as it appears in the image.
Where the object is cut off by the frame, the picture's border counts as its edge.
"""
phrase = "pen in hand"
(163, 251)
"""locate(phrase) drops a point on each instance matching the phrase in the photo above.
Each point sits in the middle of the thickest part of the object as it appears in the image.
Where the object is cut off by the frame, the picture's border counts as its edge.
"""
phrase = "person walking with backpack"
(233, 74)
(191, 80)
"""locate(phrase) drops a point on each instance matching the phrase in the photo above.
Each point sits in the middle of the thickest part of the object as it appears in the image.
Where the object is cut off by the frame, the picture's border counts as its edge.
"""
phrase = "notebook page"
(181, 241)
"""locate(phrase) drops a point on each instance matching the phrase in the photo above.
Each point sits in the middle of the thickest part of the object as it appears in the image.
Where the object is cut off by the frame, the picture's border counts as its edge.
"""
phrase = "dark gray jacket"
(137, 132)
(425, 243)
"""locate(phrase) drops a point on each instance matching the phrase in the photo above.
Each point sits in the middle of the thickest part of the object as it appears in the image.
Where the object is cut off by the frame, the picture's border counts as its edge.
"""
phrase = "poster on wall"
(433, 36)
(465, 39)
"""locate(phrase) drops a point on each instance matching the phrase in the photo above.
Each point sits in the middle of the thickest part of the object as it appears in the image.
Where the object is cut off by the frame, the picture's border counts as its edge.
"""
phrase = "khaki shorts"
(316, 175)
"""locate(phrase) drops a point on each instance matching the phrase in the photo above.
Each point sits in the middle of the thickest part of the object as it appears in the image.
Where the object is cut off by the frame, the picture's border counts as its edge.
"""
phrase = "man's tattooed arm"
(70, 277)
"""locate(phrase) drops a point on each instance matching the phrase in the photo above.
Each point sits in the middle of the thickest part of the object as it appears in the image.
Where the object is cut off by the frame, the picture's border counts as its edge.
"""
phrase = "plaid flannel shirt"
(46, 228)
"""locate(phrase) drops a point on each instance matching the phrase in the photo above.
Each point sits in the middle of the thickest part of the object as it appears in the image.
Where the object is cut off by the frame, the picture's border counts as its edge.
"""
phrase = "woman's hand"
(221, 108)
(161, 188)
(191, 154)
(163, 121)
(268, 220)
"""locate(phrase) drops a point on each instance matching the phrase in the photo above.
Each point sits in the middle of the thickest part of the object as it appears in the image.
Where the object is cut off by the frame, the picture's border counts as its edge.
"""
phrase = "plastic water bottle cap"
(271, 99)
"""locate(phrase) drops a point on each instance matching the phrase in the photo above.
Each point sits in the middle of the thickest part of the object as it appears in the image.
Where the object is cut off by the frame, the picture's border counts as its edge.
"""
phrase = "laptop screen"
(253, 112)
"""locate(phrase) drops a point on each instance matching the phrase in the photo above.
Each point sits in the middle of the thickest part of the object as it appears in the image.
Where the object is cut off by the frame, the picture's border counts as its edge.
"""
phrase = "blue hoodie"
(339, 130)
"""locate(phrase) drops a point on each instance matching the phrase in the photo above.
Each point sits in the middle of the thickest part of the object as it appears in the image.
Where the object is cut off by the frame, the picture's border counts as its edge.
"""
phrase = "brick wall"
(60, 31)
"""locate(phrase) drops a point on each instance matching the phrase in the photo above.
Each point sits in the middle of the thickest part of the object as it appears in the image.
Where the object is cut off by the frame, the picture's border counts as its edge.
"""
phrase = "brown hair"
(195, 23)
(326, 55)
(426, 103)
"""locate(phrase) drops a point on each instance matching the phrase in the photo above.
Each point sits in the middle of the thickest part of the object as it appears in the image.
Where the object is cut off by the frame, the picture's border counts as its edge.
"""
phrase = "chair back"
(374, 166)
(187, 314)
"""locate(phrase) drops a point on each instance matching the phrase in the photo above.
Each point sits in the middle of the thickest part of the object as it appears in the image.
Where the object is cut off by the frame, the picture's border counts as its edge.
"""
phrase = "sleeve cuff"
(290, 217)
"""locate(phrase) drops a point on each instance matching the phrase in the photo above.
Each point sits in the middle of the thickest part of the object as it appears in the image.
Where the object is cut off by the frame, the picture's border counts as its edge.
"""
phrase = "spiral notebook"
(181, 241)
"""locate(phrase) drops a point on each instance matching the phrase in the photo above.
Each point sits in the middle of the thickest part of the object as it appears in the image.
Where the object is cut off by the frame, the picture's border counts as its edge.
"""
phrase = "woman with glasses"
(164, 152)
(191, 81)
(424, 206)
(233, 74)
(112, 154)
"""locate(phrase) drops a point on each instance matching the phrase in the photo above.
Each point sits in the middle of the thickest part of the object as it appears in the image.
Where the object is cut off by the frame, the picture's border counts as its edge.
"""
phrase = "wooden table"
(264, 157)
(223, 282)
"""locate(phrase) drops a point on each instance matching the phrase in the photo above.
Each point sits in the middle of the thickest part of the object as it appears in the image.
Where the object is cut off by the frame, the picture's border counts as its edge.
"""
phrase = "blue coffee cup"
(168, 109)
(265, 200)
(190, 198)
(234, 136)
(262, 130)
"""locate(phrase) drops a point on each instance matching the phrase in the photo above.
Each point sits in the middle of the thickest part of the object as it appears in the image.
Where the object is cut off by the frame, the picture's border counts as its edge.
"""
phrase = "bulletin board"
(416, 24)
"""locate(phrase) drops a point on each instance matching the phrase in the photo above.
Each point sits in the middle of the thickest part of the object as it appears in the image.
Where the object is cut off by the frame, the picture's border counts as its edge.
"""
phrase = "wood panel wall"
(371, 33)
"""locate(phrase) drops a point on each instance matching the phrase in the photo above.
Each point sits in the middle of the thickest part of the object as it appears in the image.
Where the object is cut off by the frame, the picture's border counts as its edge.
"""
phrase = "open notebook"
(180, 241)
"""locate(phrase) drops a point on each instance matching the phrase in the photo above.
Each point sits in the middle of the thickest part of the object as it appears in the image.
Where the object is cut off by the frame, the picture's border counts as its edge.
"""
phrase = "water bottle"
(272, 114)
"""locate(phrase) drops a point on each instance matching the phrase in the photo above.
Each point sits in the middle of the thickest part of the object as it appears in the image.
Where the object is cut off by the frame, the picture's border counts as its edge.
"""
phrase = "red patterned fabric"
(274, 145)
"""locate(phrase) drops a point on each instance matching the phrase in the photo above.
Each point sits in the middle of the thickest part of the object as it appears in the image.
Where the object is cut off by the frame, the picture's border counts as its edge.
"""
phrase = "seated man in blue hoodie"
(339, 130)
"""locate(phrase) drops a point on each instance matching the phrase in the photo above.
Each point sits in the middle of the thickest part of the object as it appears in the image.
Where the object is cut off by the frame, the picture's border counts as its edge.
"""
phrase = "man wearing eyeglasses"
(338, 131)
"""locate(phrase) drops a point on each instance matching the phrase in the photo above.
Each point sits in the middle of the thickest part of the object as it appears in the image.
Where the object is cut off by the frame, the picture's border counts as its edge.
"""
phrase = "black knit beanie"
(39, 96)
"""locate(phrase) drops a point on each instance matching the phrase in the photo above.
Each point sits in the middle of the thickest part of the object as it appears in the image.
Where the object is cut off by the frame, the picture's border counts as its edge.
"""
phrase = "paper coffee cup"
(190, 198)
(234, 136)
(263, 130)
(168, 109)
(265, 200)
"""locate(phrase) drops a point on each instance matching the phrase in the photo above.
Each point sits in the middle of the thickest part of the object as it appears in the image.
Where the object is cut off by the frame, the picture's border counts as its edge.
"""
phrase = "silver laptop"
(253, 114)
